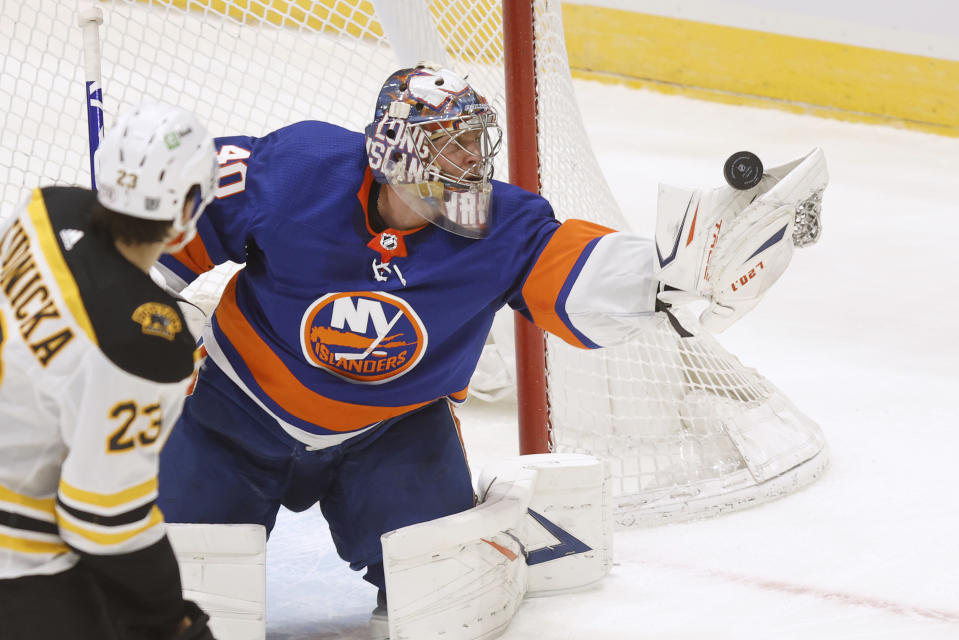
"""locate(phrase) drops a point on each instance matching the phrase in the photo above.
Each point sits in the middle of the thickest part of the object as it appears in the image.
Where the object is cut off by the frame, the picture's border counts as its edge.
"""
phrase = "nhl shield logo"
(389, 241)
(366, 337)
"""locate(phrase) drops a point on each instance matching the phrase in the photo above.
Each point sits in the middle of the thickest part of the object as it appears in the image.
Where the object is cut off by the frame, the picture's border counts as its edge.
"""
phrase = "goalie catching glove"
(729, 246)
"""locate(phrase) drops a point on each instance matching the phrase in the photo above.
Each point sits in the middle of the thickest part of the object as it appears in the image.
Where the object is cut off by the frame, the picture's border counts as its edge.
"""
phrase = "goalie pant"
(340, 330)
(94, 361)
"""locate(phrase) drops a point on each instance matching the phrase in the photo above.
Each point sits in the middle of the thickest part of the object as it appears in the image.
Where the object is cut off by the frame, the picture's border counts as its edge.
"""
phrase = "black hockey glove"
(198, 629)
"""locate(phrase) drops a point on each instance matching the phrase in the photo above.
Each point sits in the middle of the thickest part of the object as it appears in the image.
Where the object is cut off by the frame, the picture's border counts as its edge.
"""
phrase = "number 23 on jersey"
(138, 426)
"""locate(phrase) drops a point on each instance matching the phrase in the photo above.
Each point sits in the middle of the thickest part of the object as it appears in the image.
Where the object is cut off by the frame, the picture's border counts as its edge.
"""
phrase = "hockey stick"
(89, 20)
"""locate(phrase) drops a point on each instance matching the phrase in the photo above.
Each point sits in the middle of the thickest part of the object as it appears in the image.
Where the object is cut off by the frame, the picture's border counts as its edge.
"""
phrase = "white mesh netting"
(688, 429)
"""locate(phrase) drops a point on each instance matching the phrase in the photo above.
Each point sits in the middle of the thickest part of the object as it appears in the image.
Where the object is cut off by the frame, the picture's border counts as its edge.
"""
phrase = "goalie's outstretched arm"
(595, 287)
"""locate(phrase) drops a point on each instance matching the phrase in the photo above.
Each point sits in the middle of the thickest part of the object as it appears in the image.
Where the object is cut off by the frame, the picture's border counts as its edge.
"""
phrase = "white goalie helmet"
(148, 163)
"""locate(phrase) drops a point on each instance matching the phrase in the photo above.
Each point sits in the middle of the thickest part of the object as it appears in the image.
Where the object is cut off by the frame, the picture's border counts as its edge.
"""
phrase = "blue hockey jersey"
(333, 325)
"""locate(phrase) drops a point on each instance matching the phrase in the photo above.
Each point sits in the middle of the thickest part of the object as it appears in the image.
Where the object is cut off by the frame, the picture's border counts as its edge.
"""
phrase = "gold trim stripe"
(109, 499)
(25, 545)
(741, 66)
(61, 272)
(38, 504)
(112, 538)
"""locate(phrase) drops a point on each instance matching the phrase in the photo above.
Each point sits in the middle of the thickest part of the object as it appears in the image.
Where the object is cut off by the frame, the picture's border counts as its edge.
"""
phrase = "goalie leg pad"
(223, 569)
(544, 526)
(568, 531)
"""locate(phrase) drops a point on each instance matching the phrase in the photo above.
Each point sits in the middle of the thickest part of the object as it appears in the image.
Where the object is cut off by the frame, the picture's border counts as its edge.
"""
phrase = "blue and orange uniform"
(334, 353)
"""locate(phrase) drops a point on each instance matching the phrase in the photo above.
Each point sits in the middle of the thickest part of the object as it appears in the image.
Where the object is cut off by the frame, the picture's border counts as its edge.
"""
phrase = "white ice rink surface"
(860, 333)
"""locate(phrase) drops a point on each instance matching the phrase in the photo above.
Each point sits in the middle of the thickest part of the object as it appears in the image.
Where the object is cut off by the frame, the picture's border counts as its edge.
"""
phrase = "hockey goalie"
(375, 262)
(545, 525)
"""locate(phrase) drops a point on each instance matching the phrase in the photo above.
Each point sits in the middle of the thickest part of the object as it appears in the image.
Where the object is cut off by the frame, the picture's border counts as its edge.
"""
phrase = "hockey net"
(687, 428)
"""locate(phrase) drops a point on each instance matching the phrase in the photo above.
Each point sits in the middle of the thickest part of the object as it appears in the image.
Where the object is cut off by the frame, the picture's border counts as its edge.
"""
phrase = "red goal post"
(519, 56)
(688, 429)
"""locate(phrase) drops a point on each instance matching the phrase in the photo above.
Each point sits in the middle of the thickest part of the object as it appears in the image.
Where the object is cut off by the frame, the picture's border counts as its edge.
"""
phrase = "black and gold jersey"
(95, 359)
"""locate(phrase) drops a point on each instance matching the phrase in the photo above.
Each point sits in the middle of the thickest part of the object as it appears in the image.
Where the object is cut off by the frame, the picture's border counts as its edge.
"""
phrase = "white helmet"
(149, 161)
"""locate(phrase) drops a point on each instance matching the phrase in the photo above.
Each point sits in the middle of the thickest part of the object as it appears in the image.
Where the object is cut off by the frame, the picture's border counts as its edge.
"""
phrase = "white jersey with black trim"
(94, 363)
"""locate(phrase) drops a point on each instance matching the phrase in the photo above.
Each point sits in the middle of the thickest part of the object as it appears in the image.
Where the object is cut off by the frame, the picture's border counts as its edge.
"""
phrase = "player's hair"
(130, 229)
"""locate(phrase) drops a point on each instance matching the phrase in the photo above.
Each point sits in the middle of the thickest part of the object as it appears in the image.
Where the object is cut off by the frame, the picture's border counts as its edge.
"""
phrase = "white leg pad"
(223, 569)
(569, 530)
(463, 577)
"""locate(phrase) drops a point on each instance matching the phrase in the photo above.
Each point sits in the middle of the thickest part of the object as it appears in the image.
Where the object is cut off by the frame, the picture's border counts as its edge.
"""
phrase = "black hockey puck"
(743, 170)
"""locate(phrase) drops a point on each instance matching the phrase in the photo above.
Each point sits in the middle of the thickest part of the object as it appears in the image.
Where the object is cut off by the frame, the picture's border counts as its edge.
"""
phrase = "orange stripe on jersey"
(364, 197)
(194, 256)
(545, 282)
(199, 355)
(459, 434)
(283, 387)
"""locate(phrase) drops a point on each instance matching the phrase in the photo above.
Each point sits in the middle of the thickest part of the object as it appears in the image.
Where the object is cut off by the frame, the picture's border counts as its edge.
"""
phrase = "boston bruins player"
(94, 362)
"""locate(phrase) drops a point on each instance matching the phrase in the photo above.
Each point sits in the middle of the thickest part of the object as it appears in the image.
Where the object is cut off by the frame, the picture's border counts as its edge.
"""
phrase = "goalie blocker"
(730, 246)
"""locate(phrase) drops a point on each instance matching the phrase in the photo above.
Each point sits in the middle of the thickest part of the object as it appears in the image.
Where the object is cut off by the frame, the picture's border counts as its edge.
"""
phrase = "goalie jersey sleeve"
(260, 182)
(94, 362)
(335, 323)
(590, 286)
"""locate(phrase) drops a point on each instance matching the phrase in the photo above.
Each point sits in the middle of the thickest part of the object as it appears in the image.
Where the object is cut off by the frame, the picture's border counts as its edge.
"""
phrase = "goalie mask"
(433, 139)
(154, 159)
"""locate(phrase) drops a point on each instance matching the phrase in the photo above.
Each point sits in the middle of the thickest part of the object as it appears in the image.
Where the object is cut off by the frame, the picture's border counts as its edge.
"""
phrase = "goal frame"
(519, 49)
(770, 468)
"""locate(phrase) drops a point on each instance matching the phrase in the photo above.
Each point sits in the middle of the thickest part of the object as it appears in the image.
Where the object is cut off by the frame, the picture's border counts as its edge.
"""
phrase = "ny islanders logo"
(368, 337)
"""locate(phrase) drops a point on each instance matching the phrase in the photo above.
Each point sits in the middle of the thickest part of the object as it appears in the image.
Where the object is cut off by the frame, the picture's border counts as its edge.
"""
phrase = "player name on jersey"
(35, 312)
